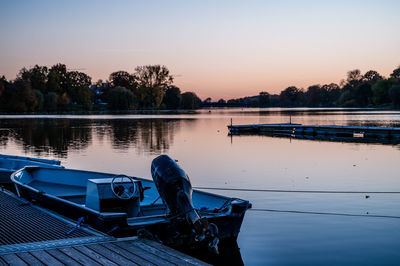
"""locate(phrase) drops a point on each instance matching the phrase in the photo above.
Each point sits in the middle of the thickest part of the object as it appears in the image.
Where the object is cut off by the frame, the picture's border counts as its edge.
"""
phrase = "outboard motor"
(175, 189)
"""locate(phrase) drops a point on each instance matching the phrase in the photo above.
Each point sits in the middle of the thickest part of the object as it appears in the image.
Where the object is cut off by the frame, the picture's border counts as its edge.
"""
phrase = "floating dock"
(31, 235)
(315, 130)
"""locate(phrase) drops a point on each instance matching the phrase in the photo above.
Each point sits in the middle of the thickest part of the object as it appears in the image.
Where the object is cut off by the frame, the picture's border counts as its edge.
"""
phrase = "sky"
(218, 49)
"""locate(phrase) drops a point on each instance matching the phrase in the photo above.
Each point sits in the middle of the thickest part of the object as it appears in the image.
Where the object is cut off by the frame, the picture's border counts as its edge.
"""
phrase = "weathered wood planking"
(133, 251)
(188, 259)
(27, 242)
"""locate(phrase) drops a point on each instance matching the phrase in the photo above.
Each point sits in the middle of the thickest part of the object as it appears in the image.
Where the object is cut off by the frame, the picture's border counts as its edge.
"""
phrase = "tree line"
(56, 88)
(43, 89)
(368, 90)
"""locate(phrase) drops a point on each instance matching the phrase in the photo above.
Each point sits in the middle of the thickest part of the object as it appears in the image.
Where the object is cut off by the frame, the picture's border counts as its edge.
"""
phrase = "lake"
(284, 228)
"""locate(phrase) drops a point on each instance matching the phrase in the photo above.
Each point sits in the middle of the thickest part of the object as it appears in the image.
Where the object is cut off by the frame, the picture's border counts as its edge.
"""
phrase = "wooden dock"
(133, 251)
(31, 235)
(314, 130)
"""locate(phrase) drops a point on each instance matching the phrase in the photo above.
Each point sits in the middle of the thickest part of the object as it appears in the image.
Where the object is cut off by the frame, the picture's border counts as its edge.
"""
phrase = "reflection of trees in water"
(4, 136)
(48, 136)
(58, 136)
(145, 135)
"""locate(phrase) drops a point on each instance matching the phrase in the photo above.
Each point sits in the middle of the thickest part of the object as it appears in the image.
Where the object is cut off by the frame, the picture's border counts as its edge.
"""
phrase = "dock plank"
(116, 258)
(13, 259)
(173, 252)
(2, 262)
(94, 255)
(142, 253)
(129, 255)
(46, 258)
(117, 252)
(81, 258)
(162, 254)
(62, 257)
(29, 259)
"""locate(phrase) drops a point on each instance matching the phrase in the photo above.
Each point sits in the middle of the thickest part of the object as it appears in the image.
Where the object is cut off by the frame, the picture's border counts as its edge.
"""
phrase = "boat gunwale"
(102, 215)
(107, 215)
(26, 168)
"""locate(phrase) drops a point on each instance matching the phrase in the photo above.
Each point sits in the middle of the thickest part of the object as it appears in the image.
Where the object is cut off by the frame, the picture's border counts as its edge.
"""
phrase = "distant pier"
(315, 130)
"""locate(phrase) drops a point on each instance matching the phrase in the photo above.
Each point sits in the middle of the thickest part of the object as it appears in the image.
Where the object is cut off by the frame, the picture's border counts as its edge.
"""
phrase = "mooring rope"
(299, 191)
(326, 213)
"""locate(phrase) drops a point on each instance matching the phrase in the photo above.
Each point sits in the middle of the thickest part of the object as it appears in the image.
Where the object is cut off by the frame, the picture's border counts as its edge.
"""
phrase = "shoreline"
(195, 111)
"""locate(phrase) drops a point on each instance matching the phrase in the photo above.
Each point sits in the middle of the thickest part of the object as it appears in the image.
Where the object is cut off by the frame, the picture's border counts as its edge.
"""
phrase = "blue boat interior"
(9, 164)
(72, 185)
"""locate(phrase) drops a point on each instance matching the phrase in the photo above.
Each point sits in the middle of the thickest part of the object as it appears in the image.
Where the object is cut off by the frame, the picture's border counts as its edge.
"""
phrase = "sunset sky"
(221, 49)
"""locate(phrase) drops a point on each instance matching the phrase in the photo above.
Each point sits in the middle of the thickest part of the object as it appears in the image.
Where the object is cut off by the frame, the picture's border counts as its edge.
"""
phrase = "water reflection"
(145, 135)
(44, 136)
(59, 136)
(128, 143)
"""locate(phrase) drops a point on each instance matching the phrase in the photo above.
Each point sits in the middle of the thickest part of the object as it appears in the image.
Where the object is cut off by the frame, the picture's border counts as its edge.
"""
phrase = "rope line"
(300, 191)
(327, 213)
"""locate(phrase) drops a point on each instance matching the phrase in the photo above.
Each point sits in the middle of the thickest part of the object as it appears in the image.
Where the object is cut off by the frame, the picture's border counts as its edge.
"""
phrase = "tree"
(363, 94)
(330, 94)
(190, 100)
(120, 98)
(63, 100)
(291, 96)
(57, 79)
(123, 79)
(6, 89)
(172, 99)
(394, 94)
(396, 73)
(22, 98)
(152, 82)
(36, 76)
(78, 90)
(2, 86)
(50, 100)
(263, 99)
(381, 91)
(207, 100)
(346, 99)
(354, 77)
(40, 100)
(314, 96)
(221, 102)
(371, 77)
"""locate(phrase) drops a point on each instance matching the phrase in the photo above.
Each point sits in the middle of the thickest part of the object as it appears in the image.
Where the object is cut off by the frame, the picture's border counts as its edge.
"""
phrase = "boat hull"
(10, 164)
(228, 224)
(5, 175)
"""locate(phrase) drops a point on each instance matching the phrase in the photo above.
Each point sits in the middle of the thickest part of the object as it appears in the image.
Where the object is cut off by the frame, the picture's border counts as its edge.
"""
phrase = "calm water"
(128, 143)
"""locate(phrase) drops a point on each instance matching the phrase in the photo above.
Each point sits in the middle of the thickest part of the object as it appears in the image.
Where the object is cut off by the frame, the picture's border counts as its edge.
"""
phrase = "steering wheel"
(123, 191)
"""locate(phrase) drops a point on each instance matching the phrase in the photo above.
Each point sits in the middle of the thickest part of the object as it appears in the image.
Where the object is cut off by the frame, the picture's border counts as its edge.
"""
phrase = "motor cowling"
(175, 189)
